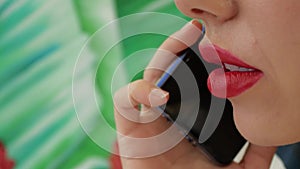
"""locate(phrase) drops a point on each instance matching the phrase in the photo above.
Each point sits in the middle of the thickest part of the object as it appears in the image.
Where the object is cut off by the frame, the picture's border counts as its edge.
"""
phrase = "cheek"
(269, 113)
(275, 25)
(278, 38)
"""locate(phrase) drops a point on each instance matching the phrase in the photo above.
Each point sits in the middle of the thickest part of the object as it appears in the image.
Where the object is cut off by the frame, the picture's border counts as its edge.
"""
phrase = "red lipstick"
(235, 76)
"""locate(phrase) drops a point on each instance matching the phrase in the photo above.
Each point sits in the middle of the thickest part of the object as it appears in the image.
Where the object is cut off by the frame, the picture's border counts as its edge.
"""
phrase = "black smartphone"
(205, 120)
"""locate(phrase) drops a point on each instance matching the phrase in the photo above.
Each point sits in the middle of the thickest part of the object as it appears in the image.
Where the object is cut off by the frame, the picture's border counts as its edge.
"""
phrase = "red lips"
(235, 76)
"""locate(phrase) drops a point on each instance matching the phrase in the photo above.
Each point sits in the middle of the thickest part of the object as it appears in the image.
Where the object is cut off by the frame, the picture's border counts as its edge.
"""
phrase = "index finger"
(169, 50)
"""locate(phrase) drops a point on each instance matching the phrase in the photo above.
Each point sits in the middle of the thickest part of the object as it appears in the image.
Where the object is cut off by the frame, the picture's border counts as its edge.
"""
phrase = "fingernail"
(158, 97)
(197, 24)
(192, 25)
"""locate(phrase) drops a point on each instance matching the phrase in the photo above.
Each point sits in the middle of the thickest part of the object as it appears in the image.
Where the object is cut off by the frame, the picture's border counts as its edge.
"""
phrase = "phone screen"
(190, 104)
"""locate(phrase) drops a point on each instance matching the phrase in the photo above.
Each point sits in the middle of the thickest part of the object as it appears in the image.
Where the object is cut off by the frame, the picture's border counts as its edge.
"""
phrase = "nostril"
(197, 11)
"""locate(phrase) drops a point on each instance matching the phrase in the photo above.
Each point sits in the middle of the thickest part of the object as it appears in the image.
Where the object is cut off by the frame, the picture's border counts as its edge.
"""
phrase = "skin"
(263, 34)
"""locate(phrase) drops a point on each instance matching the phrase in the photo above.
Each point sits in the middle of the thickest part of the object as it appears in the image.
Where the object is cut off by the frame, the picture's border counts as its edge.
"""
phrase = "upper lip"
(217, 55)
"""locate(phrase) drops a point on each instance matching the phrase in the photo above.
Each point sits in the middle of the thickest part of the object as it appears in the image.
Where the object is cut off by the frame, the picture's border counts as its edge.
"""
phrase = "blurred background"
(40, 41)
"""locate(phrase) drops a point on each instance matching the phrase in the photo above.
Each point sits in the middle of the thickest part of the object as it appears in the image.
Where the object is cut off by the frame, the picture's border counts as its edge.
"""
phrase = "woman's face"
(264, 34)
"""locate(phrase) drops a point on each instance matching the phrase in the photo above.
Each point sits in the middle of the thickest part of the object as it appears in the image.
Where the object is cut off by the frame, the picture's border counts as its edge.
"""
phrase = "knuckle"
(135, 85)
(169, 41)
(127, 92)
(151, 75)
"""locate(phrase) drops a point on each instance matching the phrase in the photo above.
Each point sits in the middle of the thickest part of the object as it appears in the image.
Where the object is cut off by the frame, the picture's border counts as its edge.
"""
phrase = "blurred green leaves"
(39, 43)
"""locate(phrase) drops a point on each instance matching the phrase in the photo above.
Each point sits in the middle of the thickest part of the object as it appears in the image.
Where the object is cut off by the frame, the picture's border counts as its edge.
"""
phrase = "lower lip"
(230, 84)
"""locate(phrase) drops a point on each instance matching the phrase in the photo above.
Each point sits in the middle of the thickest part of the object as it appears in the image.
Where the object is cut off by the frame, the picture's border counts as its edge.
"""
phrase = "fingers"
(140, 92)
(128, 99)
(139, 131)
(167, 52)
(258, 157)
(183, 38)
(130, 120)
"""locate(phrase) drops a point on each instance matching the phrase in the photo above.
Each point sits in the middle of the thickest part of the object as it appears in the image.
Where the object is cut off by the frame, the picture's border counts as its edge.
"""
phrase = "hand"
(135, 122)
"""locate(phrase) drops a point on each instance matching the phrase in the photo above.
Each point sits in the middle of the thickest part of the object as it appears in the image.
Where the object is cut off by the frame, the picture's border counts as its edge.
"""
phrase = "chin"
(262, 118)
(262, 132)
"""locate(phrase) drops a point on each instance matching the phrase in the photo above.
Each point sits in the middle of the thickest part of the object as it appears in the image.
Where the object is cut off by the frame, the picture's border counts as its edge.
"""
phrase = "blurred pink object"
(5, 162)
(115, 161)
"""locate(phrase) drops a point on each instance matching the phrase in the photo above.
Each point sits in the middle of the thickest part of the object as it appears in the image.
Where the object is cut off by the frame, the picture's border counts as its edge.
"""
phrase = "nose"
(208, 10)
